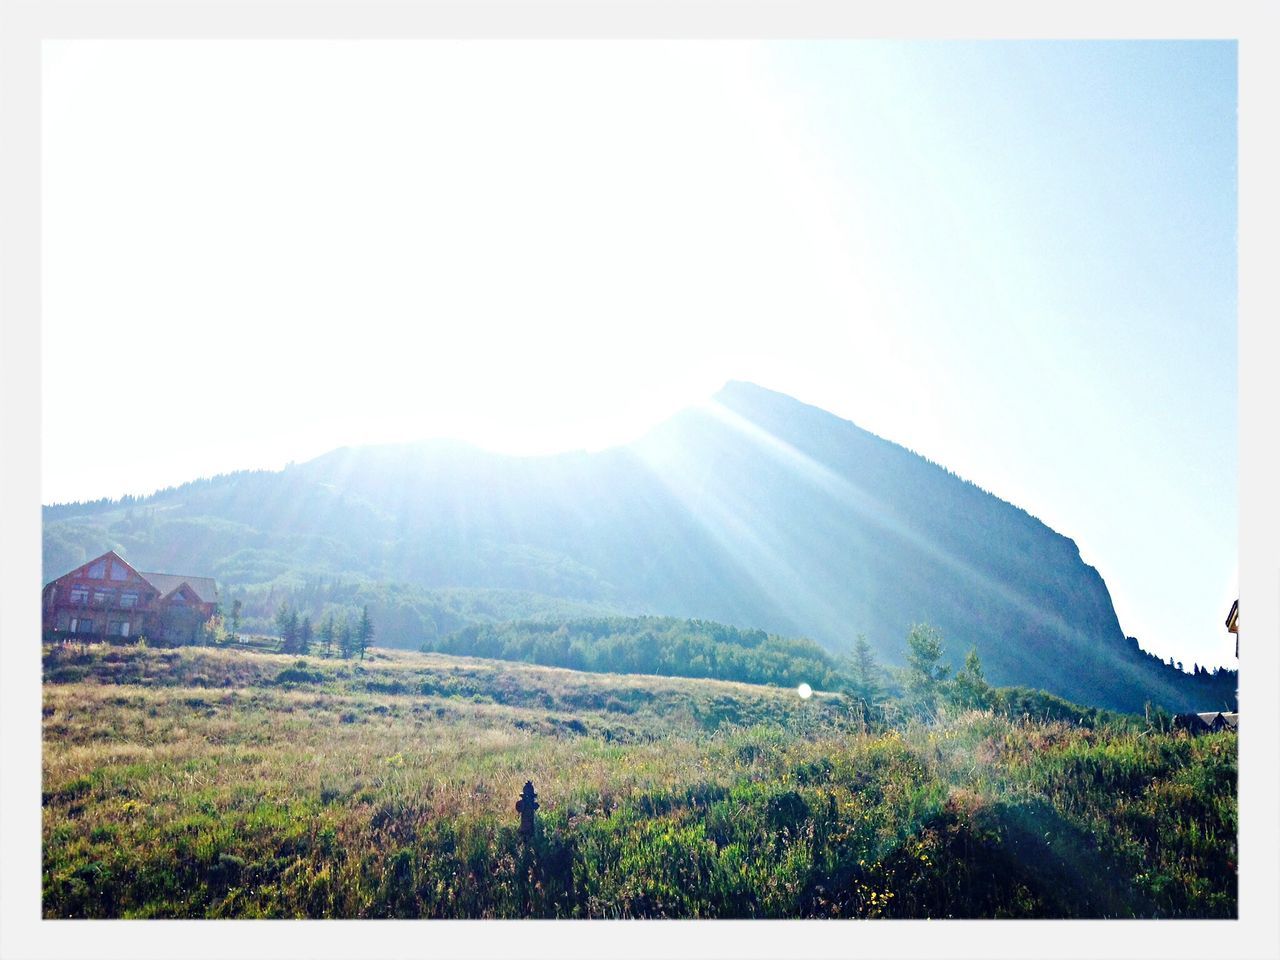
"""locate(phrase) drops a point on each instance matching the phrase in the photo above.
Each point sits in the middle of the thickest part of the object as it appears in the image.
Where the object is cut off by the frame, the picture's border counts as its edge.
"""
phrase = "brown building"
(1233, 624)
(108, 598)
(1211, 722)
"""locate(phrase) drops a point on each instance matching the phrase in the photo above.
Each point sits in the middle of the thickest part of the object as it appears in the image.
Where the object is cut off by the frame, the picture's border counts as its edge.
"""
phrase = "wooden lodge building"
(1211, 722)
(108, 598)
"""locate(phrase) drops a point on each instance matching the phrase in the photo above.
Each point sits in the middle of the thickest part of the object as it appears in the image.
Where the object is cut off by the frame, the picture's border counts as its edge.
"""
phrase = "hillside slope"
(753, 510)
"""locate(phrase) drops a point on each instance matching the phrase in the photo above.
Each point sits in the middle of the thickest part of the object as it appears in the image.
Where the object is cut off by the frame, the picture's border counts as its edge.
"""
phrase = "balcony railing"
(94, 603)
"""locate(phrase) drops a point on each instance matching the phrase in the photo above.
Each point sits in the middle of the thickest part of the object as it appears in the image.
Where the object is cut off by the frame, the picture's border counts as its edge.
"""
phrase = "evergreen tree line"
(665, 646)
(1214, 689)
(341, 635)
(921, 688)
(926, 687)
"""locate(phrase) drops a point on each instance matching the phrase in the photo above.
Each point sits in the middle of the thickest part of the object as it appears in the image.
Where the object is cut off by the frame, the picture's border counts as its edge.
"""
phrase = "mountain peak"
(745, 389)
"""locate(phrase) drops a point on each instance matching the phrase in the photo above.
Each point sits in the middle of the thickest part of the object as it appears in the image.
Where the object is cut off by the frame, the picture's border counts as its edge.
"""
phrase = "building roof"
(166, 583)
(1230, 720)
(204, 587)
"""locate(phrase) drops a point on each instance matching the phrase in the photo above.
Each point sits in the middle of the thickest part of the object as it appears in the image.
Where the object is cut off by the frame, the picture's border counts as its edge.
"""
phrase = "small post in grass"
(526, 806)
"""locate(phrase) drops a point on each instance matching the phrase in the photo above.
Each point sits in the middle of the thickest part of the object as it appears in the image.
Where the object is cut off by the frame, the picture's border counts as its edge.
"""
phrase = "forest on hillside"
(666, 646)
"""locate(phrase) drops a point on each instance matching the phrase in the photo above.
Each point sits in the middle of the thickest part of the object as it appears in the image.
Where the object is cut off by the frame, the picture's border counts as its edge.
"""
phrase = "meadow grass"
(222, 783)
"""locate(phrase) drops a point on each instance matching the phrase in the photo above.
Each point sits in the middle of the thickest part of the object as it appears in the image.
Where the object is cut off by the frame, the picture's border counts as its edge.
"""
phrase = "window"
(178, 599)
(82, 625)
(118, 628)
(104, 597)
(98, 571)
(119, 571)
(128, 601)
(79, 594)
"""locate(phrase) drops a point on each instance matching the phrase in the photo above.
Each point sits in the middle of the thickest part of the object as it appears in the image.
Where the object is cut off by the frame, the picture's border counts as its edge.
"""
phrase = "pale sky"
(1017, 259)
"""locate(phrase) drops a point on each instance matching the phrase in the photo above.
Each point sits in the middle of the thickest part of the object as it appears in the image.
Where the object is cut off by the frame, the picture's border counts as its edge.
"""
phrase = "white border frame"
(24, 934)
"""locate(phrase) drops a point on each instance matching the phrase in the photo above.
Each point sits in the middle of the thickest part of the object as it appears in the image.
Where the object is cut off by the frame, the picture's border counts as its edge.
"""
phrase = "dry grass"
(203, 782)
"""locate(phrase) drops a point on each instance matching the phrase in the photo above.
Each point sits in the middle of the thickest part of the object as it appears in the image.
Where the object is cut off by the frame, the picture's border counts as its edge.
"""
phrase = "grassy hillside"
(218, 783)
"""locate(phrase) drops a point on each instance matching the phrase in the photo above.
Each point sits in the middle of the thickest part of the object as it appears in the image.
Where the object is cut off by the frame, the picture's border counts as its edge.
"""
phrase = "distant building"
(1207, 722)
(109, 598)
(1232, 624)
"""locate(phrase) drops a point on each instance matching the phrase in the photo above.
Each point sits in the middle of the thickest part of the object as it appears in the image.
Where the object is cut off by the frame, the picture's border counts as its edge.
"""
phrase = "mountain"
(752, 509)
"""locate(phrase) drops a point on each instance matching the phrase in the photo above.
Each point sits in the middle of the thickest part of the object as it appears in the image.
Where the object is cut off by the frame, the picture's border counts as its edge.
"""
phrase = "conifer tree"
(304, 635)
(866, 674)
(969, 688)
(925, 674)
(327, 631)
(364, 632)
(344, 637)
(286, 627)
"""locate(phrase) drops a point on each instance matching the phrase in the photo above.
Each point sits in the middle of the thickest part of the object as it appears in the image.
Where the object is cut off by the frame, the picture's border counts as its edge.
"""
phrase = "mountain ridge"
(751, 509)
